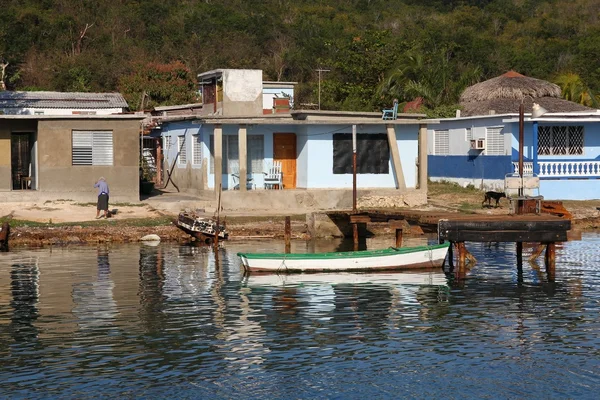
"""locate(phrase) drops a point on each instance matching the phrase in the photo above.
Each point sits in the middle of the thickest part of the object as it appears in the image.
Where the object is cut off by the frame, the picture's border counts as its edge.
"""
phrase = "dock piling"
(288, 234)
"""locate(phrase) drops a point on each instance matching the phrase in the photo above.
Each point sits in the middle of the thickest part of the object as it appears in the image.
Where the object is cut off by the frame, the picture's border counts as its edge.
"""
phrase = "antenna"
(320, 70)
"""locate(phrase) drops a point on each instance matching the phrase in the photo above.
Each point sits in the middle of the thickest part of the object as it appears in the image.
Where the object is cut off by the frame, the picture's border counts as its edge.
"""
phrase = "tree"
(574, 89)
(163, 84)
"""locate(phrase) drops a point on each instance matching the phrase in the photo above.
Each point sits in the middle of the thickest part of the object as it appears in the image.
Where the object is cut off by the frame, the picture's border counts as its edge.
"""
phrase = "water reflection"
(95, 307)
(170, 322)
(24, 284)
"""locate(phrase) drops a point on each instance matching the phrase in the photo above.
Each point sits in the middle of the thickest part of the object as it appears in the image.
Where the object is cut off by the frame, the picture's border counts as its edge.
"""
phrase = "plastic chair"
(391, 113)
(274, 176)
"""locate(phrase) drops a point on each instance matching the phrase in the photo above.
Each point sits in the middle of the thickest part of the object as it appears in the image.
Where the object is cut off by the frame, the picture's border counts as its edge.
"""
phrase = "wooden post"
(216, 241)
(462, 255)
(399, 237)
(159, 162)
(451, 257)
(551, 261)
(355, 235)
(218, 156)
(288, 234)
(519, 253)
(4, 235)
(354, 166)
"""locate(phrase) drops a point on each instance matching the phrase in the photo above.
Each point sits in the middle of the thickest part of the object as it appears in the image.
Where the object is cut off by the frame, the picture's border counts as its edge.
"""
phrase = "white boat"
(393, 258)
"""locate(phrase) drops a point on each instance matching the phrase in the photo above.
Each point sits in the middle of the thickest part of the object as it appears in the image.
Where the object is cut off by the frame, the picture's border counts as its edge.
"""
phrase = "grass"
(445, 187)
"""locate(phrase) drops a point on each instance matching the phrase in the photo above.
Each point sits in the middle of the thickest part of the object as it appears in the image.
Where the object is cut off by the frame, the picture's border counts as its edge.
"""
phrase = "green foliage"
(162, 84)
(377, 50)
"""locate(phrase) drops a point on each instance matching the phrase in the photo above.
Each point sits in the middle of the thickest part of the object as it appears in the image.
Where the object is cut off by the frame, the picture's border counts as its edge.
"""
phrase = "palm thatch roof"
(503, 95)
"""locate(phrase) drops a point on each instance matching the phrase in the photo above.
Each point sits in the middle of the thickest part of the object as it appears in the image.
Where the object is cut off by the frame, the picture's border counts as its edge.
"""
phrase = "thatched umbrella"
(503, 94)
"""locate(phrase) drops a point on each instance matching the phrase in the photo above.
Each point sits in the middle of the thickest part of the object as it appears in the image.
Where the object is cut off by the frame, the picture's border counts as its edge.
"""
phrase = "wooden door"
(284, 150)
(20, 152)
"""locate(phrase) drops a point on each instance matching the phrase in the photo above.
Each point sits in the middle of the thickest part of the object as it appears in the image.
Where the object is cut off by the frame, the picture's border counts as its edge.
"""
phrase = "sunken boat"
(201, 228)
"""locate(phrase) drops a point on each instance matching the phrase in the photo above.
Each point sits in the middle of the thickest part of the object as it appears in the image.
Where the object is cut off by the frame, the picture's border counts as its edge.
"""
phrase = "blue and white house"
(561, 148)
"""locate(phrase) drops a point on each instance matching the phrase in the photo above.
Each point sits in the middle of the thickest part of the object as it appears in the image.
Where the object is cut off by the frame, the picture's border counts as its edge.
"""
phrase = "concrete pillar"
(399, 174)
(422, 184)
(218, 157)
(243, 155)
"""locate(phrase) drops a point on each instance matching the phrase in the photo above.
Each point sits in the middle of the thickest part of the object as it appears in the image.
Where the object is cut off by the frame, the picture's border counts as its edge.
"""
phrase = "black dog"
(489, 196)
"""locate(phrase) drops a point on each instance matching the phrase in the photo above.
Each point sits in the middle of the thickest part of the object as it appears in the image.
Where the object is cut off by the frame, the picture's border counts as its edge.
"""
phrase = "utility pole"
(320, 70)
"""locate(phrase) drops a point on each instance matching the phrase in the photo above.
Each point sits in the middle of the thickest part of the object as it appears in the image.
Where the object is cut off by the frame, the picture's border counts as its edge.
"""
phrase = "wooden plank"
(396, 224)
(504, 236)
(506, 225)
(359, 219)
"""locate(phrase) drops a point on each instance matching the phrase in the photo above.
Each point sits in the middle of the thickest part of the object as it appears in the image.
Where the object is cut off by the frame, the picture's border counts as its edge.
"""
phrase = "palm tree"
(574, 89)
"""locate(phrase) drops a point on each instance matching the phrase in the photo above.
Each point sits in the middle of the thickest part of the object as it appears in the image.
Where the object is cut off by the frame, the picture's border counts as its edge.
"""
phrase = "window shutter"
(196, 150)
(181, 147)
(494, 145)
(102, 151)
(82, 148)
(441, 142)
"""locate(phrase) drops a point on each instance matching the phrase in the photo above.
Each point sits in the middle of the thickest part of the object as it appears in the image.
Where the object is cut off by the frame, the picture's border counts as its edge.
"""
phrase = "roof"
(9, 99)
(504, 94)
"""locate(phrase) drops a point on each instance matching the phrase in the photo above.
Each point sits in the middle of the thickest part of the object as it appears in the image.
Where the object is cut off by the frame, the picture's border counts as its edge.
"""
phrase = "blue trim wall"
(469, 167)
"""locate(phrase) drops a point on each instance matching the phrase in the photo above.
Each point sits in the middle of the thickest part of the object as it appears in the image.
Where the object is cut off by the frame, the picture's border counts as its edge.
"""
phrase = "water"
(134, 321)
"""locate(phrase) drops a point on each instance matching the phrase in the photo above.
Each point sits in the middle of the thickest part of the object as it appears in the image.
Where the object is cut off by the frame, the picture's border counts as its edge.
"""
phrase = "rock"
(150, 238)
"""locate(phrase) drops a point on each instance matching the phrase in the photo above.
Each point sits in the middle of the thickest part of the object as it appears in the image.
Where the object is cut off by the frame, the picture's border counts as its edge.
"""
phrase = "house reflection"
(95, 306)
(24, 285)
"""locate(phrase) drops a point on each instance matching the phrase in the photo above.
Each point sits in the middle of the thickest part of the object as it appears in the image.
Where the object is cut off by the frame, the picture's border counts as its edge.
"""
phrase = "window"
(196, 150)
(468, 135)
(494, 142)
(560, 140)
(166, 144)
(182, 160)
(372, 153)
(441, 142)
(92, 148)
(256, 151)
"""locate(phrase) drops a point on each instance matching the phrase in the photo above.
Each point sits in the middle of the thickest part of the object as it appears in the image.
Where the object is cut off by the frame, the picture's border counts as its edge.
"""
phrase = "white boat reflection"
(432, 277)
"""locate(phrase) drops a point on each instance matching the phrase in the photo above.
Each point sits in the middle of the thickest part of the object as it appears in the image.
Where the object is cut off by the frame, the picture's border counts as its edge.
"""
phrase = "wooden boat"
(203, 229)
(392, 258)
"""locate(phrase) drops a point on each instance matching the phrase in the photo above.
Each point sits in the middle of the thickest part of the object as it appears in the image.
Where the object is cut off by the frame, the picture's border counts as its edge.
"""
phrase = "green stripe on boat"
(343, 254)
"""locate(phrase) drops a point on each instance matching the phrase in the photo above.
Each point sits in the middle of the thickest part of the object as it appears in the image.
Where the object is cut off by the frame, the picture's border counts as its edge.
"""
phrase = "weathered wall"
(242, 92)
(6, 128)
(57, 175)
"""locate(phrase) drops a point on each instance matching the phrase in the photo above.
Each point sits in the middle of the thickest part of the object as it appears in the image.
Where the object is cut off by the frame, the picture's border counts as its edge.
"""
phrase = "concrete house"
(51, 157)
(233, 142)
(481, 145)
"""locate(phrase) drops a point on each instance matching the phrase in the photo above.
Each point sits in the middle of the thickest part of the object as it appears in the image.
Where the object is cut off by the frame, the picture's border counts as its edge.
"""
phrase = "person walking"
(102, 197)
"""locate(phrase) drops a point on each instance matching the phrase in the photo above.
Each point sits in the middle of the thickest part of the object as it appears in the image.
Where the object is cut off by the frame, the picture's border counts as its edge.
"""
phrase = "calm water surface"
(135, 321)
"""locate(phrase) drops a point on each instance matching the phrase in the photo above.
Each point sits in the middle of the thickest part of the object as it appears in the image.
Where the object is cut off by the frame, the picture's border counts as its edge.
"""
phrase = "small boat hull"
(374, 260)
(203, 229)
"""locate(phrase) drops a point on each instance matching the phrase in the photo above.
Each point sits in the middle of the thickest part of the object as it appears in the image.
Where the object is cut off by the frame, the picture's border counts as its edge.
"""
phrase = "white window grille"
(182, 160)
(166, 144)
(468, 135)
(441, 142)
(196, 150)
(255, 158)
(92, 148)
(560, 140)
(494, 139)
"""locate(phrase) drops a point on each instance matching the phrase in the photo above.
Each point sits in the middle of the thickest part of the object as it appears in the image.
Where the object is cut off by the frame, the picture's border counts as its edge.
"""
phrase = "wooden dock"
(543, 229)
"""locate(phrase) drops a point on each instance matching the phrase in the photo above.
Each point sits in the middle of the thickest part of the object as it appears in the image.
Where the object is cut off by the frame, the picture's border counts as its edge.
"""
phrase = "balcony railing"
(562, 169)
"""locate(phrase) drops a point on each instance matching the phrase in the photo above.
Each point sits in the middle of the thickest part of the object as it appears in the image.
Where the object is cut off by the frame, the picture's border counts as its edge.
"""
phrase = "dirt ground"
(66, 222)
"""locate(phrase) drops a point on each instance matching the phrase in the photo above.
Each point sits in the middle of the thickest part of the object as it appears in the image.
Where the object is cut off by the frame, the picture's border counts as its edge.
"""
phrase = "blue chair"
(391, 113)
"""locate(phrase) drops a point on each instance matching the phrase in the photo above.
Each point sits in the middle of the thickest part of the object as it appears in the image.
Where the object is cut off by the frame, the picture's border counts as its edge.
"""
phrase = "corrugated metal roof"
(78, 100)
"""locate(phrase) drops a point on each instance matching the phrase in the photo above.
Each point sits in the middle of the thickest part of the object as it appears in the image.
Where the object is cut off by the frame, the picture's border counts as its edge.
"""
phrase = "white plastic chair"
(235, 176)
(273, 176)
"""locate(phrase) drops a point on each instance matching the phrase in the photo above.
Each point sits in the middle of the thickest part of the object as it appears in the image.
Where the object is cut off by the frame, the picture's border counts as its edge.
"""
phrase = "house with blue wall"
(314, 147)
(480, 146)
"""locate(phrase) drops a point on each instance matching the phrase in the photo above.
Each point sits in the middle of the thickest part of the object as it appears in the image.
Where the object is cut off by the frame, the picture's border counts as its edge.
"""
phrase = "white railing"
(562, 169)
(527, 168)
